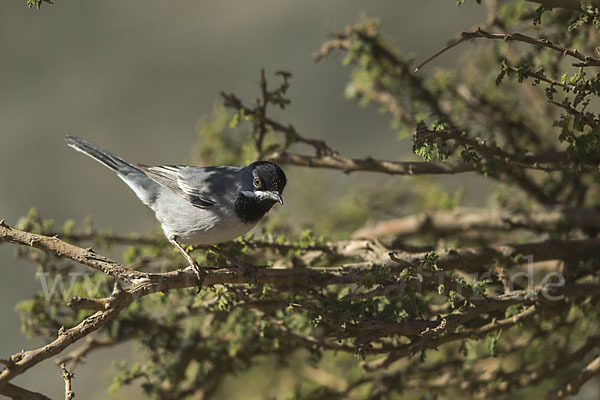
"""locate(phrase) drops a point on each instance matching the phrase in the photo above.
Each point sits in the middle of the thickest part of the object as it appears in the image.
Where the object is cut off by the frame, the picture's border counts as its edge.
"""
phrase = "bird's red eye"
(257, 182)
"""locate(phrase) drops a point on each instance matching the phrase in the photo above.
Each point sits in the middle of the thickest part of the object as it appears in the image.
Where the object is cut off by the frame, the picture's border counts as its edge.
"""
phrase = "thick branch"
(468, 259)
(60, 248)
(147, 283)
(468, 220)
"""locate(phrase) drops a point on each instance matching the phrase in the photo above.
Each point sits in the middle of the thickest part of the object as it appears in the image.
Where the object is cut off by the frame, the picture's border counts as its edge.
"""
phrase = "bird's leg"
(193, 264)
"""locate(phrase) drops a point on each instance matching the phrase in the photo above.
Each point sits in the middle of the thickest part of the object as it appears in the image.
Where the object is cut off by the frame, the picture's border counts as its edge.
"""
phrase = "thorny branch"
(491, 160)
(292, 135)
(327, 158)
(348, 165)
(142, 284)
(586, 60)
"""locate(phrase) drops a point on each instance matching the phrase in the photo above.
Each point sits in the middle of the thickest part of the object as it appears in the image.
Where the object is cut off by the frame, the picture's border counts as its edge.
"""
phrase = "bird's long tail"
(144, 187)
(110, 160)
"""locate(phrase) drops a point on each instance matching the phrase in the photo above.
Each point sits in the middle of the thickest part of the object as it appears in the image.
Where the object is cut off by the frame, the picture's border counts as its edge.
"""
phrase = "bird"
(199, 206)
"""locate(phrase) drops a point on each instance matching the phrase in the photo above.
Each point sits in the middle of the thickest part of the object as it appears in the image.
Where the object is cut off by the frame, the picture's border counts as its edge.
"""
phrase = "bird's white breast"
(196, 226)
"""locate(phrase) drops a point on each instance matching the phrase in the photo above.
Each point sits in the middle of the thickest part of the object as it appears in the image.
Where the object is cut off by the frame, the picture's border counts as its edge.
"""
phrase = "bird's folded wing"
(173, 178)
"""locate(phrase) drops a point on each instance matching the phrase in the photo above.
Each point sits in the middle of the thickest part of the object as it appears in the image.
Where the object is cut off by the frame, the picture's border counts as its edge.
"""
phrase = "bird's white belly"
(196, 226)
(227, 229)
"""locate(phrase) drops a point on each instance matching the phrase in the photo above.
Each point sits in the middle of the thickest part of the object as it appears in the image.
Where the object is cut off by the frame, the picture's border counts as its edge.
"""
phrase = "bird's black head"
(261, 186)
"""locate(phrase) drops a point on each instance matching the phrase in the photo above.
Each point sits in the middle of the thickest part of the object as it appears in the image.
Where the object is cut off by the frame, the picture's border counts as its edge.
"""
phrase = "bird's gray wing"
(202, 187)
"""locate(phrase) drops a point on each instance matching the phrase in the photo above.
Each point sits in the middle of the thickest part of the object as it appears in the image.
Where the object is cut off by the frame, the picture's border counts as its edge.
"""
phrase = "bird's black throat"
(251, 209)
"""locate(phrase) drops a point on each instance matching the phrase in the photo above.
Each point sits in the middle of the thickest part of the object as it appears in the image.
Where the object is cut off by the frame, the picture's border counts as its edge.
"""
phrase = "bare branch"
(67, 376)
(468, 259)
(63, 249)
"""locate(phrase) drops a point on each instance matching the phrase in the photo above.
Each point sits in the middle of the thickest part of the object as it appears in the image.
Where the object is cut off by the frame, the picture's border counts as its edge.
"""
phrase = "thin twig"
(589, 118)
(263, 101)
(541, 77)
(450, 45)
(587, 61)
(67, 376)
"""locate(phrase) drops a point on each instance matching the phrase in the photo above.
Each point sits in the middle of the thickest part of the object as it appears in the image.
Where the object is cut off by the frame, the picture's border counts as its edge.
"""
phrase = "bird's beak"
(275, 196)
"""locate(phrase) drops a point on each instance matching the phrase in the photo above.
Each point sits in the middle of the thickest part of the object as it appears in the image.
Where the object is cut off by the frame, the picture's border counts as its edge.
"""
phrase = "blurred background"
(137, 78)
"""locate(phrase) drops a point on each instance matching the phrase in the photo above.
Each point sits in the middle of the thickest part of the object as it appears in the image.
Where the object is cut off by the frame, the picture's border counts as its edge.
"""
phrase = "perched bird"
(198, 205)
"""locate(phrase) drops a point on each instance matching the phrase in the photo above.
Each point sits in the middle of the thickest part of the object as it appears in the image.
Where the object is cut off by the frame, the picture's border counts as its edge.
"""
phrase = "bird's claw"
(200, 274)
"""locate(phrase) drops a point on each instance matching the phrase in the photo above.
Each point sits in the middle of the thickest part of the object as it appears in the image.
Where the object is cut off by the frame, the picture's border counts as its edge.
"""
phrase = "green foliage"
(428, 262)
(38, 3)
(589, 15)
(539, 12)
(428, 145)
